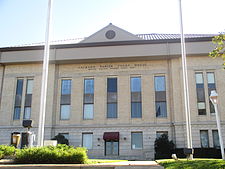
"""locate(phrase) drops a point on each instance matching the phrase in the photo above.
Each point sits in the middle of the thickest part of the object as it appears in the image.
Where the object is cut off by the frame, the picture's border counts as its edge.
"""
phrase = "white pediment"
(110, 33)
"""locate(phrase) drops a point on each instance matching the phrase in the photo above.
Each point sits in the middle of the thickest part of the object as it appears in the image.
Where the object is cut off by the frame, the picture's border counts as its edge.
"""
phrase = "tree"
(163, 147)
(61, 139)
(219, 50)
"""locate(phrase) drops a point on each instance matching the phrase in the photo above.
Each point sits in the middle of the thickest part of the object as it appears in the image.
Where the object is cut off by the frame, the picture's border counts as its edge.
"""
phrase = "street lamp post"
(214, 100)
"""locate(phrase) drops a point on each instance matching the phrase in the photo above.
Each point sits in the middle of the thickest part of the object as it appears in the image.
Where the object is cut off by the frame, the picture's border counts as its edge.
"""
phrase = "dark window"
(18, 99)
(216, 142)
(204, 137)
(161, 110)
(88, 102)
(111, 97)
(136, 99)
(160, 96)
(200, 93)
(211, 87)
(112, 85)
(65, 101)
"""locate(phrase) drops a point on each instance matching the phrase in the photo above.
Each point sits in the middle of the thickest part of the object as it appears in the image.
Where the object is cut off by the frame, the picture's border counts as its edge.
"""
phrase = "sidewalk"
(6, 164)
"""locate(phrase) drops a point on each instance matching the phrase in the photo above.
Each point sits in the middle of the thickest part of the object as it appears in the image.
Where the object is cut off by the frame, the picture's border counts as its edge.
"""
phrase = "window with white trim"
(160, 96)
(204, 137)
(65, 101)
(23, 100)
(87, 140)
(88, 102)
(136, 140)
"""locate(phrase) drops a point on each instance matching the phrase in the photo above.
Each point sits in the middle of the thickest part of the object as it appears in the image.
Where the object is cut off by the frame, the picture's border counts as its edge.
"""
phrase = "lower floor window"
(111, 148)
(204, 136)
(87, 140)
(136, 140)
(216, 142)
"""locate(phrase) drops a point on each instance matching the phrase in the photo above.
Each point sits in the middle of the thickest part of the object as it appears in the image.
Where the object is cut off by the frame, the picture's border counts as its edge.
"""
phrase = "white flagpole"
(44, 82)
(185, 85)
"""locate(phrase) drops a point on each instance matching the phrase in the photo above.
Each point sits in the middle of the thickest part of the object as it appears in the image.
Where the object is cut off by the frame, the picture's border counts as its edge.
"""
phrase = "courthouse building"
(114, 92)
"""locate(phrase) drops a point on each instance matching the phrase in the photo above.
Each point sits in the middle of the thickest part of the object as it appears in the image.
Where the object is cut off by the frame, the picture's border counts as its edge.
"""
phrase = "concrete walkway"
(4, 164)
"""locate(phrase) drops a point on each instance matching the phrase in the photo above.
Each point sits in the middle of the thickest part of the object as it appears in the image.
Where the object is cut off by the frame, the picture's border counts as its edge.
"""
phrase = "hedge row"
(1, 154)
(6, 151)
(50, 154)
(198, 153)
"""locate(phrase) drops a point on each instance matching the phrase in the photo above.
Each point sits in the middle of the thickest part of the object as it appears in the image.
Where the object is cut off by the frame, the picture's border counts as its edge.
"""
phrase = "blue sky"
(23, 21)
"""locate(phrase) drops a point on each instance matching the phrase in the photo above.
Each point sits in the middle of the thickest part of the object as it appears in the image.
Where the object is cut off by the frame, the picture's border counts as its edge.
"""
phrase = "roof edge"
(99, 44)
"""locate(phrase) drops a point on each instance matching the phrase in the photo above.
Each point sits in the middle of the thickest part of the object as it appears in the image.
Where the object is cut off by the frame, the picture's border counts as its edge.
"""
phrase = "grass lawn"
(193, 164)
(96, 161)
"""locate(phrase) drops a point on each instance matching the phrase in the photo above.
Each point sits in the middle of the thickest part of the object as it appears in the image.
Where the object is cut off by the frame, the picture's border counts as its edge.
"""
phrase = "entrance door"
(112, 148)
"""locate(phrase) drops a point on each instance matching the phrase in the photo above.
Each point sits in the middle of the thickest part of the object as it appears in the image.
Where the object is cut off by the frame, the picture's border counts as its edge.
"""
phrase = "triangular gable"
(110, 33)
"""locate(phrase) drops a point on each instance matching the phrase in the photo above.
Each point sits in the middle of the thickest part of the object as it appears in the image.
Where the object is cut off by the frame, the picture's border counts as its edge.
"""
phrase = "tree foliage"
(163, 147)
(219, 50)
(61, 139)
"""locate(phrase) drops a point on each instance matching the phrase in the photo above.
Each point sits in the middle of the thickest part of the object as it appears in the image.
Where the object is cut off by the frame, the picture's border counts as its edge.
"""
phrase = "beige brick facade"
(100, 63)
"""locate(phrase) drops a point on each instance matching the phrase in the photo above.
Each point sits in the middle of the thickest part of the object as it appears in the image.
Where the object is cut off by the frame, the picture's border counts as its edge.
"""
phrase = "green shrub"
(7, 150)
(61, 139)
(1, 154)
(51, 154)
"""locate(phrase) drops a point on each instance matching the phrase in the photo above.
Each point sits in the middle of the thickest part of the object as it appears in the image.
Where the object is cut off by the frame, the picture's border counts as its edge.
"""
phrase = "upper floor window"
(211, 86)
(160, 96)
(136, 99)
(111, 97)
(18, 99)
(23, 105)
(28, 99)
(88, 103)
(200, 93)
(65, 100)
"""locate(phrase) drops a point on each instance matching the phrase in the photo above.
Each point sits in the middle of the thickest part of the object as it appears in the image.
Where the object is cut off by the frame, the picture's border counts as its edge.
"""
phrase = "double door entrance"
(111, 143)
(112, 148)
